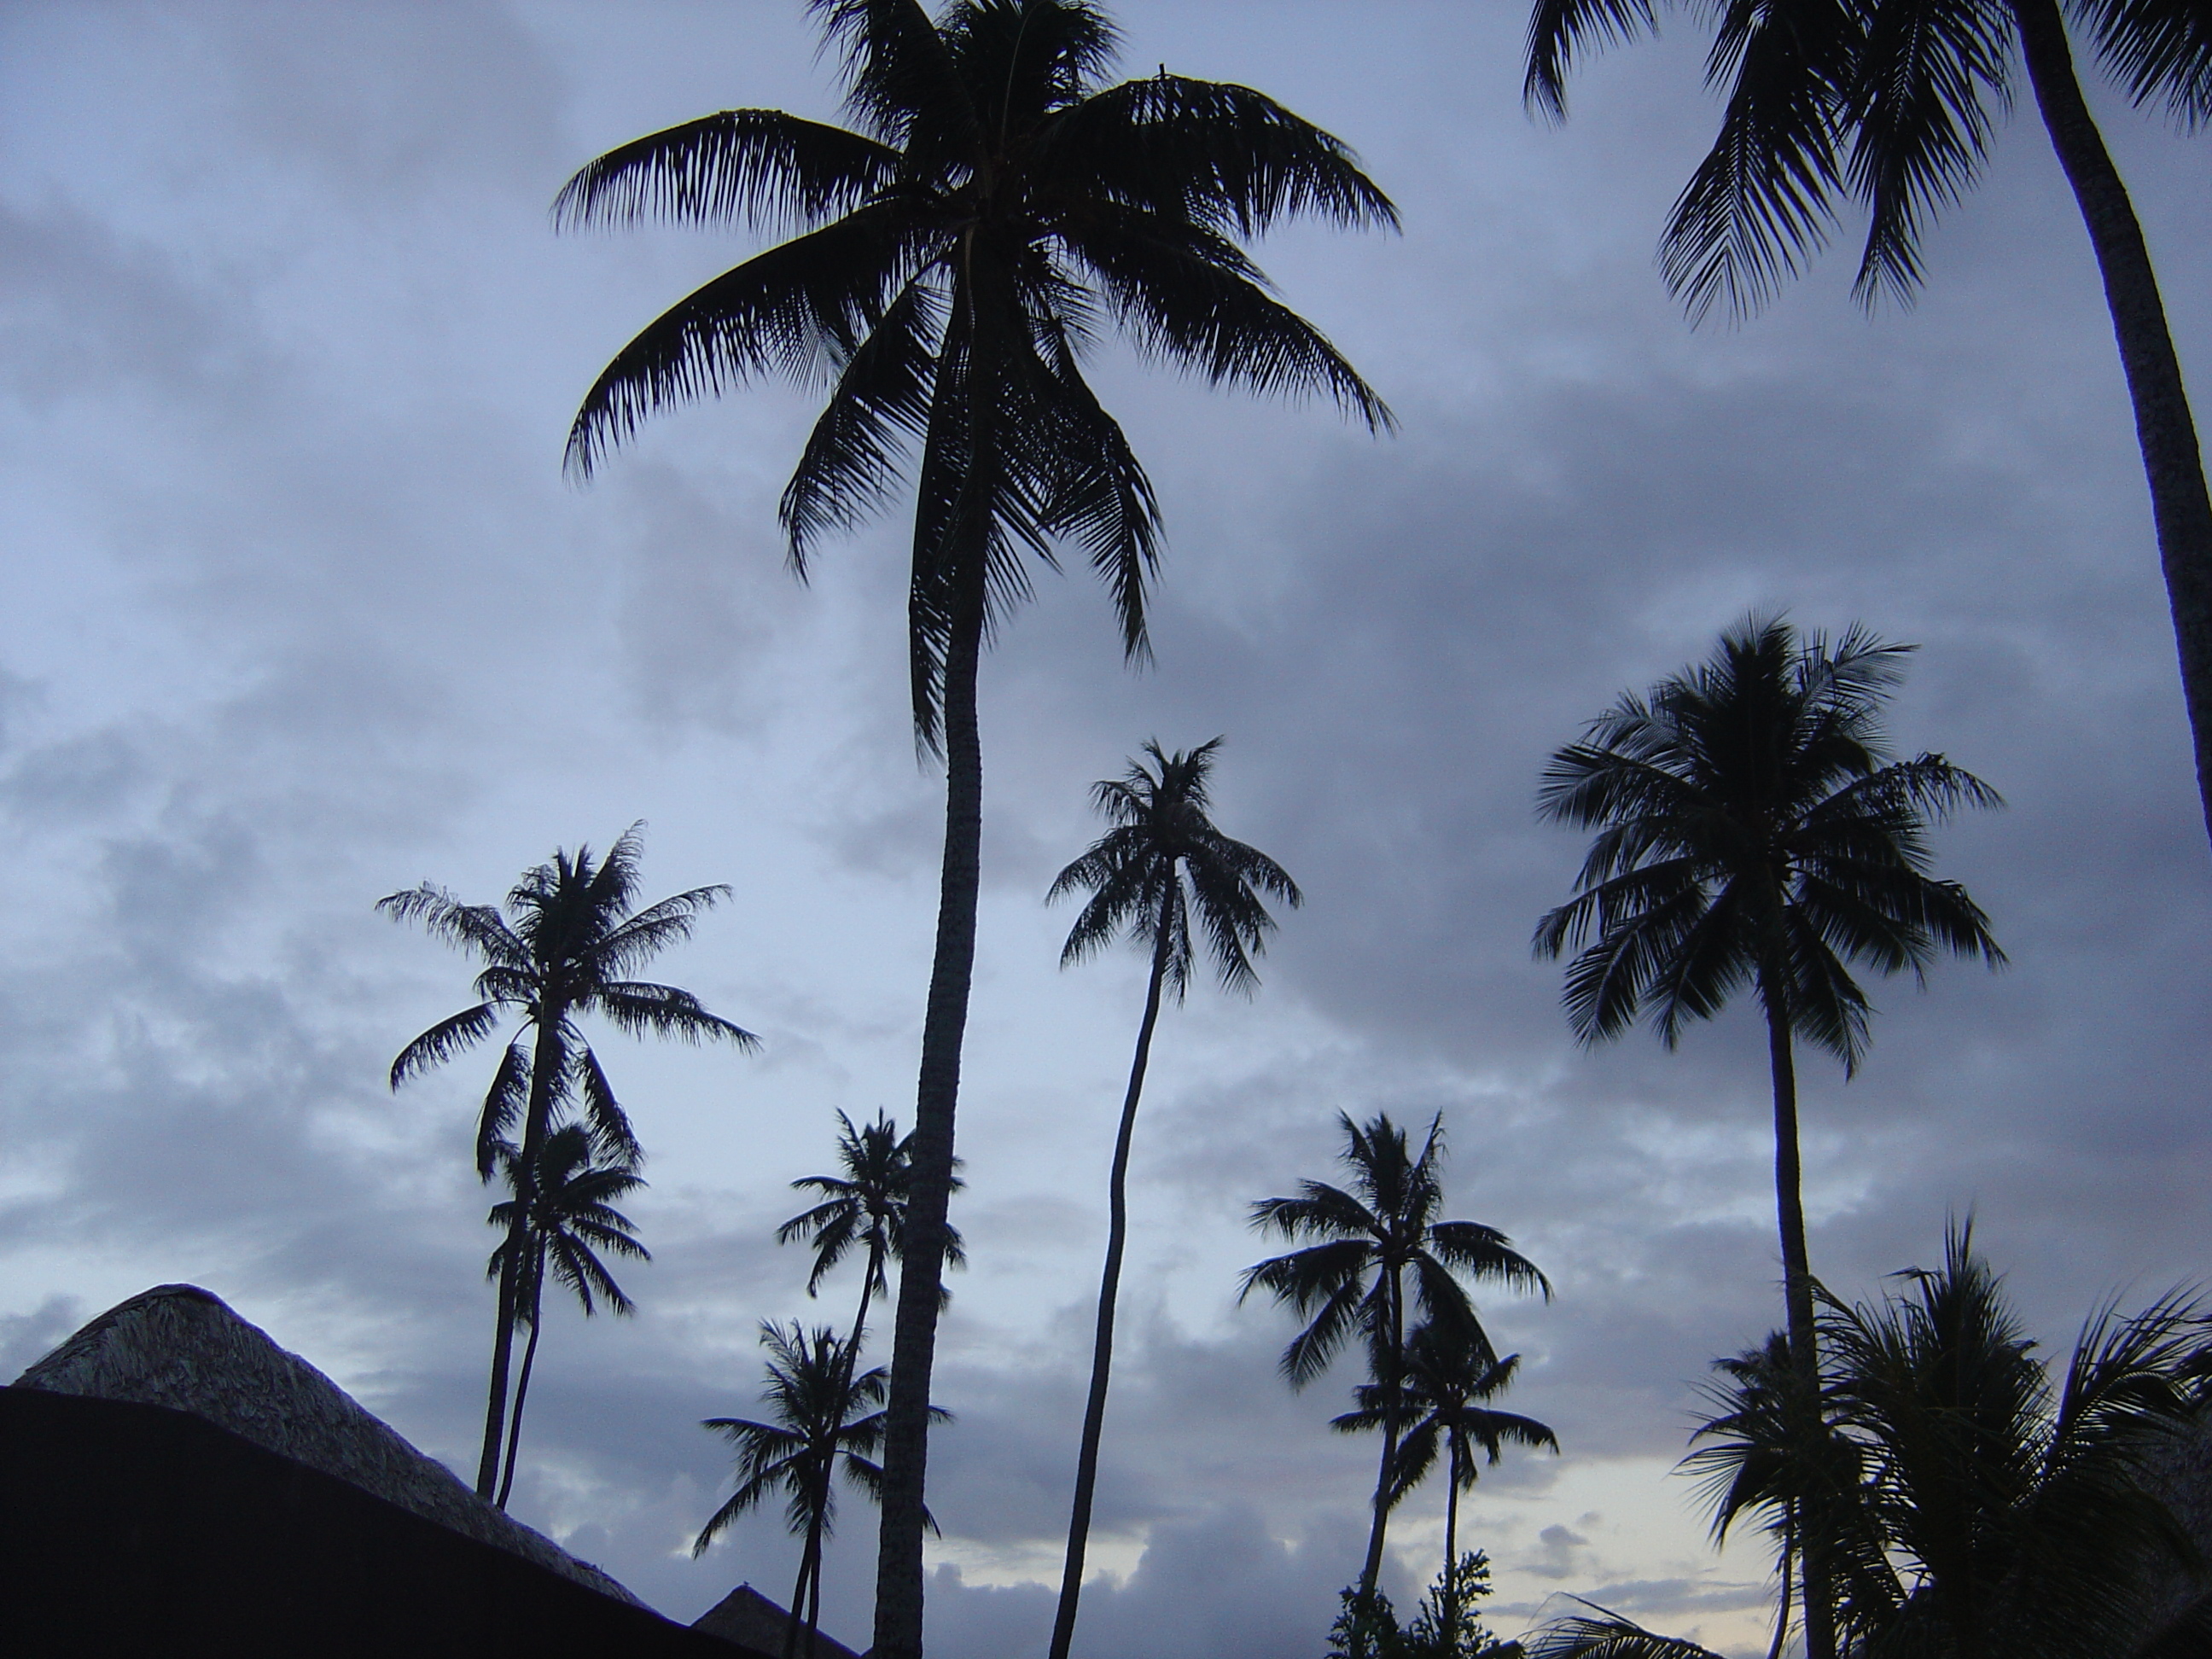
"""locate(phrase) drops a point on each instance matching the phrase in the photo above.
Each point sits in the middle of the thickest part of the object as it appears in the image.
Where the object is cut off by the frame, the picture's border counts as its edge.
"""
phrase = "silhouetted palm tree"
(1753, 833)
(1891, 103)
(568, 1216)
(1162, 861)
(864, 1208)
(952, 262)
(823, 1424)
(561, 950)
(1443, 1405)
(1972, 1502)
(1352, 1280)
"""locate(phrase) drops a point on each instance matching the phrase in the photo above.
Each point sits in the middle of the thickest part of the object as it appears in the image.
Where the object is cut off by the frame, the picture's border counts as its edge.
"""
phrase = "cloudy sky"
(301, 610)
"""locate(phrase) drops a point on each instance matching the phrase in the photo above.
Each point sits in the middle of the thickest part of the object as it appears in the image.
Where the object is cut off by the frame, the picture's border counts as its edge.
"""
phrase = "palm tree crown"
(1753, 832)
(951, 262)
(564, 948)
(1163, 860)
(561, 1216)
(863, 1208)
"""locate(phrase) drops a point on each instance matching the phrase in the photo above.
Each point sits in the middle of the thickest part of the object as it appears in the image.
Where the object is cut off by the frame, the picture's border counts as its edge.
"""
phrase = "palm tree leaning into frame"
(1753, 833)
(951, 265)
(824, 1423)
(1351, 1280)
(1891, 103)
(1975, 1504)
(571, 1218)
(1161, 862)
(1444, 1405)
(562, 950)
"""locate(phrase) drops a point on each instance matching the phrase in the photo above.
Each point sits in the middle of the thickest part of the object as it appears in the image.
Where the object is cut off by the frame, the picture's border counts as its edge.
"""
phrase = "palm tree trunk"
(546, 1063)
(1393, 1359)
(1796, 1291)
(522, 1379)
(1110, 1289)
(1782, 1614)
(1452, 1450)
(921, 1264)
(2165, 430)
(809, 1555)
(814, 1603)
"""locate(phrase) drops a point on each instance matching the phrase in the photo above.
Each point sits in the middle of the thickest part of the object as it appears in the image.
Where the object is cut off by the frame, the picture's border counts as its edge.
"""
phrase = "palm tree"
(823, 1423)
(1753, 832)
(1351, 1280)
(569, 937)
(1890, 103)
(951, 264)
(569, 1218)
(1974, 1504)
(865, 1207)
(1163, 860)
(1442, 1403)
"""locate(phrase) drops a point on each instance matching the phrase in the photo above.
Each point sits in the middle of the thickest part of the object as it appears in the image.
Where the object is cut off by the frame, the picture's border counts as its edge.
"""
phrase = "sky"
(303, 612)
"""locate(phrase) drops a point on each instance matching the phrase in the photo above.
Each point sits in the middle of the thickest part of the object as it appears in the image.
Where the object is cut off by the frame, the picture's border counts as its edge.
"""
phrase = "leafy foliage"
(949, 264)
(1164, 859)
(1888, 105)
(1754, 831)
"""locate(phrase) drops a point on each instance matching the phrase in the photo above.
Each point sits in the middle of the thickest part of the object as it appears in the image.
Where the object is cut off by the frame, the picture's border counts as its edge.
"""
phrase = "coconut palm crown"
(570, 1219)
(1164, 859)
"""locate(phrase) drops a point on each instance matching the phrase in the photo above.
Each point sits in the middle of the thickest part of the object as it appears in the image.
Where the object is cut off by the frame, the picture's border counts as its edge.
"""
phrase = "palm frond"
(752, 166)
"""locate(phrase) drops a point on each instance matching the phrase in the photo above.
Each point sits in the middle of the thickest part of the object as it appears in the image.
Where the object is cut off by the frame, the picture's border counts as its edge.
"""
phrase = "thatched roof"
(749, 1618)
(178, 1346)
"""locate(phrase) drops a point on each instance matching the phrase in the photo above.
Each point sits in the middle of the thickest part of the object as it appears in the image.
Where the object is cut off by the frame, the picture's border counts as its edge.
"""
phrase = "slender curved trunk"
(2165, 429)
(1796, 1291)
(1109, 1290)
(814, 1604)
(921, 1264)
(810, 1565)
(1452, 1457)
(522, 1378)
(1782, 1614)
(1393, 1359)
(546, 1063)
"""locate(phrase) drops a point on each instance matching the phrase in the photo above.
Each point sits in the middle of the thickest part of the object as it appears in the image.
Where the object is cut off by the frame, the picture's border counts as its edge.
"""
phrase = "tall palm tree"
(1753, 832)
(568, 938)
(1443, 1405)
(567, 1218)
(1352, 1280)
(825, 1419)
(1891, 103)
(951, 262)
(1974, 1504)
(863, 1208)
(1161, 860)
